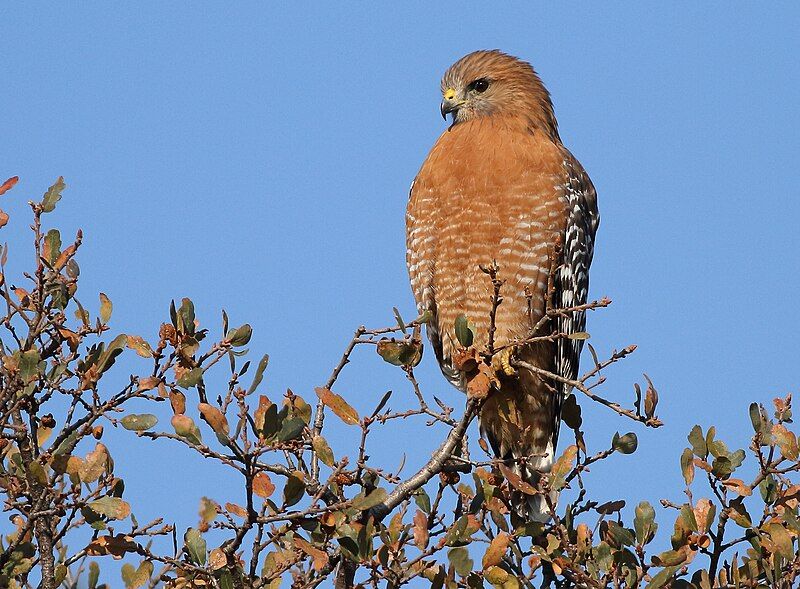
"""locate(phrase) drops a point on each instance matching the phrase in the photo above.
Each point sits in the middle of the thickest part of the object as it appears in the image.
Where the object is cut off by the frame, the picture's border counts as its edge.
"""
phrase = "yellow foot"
(501, 362)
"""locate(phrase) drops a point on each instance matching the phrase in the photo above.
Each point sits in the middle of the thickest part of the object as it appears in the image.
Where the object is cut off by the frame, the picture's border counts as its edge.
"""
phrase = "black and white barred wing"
(572, 277)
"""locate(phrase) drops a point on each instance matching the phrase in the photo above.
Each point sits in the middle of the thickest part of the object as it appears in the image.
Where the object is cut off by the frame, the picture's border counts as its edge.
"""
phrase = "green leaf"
(687, 466)
(739, 514)
(52, 243)
(111, 507)
(459, 558)
(185, 316)
(94, 574)
(698, 442)
(644, 523)
(259, 375)
(621, 535)
(571, 413)
(423, 500)
(756, 418)
(626, 444)
(291, 428)
(722, 467)
(190, 378)
(135, 578)
(139, 422)
(660, 579)
(29, 364)
(363, 502)
(400, 321)
(464, 334)
(294, 489)
(195, 546)
(53, 195)
(240, 336)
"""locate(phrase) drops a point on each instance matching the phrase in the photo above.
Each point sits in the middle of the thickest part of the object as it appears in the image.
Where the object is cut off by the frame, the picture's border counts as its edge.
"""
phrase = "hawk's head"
(489, 83)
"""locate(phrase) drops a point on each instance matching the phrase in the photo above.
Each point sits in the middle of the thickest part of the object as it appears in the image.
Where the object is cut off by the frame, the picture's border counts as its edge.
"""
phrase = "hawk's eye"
(480, 85)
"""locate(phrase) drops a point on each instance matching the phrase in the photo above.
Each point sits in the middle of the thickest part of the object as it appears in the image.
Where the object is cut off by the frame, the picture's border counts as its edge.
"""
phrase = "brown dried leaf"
(515, 481)
(421, 530)
(263, 486)
(738, 486)
(215, 418)
(217, 559)
(320, 557)
(704, 512)
(94, 465)
(72, 338)
(480, 383)
(786, 440)
(148, 383)
(236, 509)
(497, 550)
(178, 401)
(8, 184)
(465, 359)
(115, 546)
(338, 405)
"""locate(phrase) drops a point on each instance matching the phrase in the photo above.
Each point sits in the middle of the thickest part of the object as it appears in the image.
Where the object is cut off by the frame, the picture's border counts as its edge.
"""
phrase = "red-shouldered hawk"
(498, 185)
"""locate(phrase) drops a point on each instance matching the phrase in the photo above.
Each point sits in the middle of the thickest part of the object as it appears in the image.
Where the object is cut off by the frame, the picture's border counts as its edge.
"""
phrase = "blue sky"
(257, 158)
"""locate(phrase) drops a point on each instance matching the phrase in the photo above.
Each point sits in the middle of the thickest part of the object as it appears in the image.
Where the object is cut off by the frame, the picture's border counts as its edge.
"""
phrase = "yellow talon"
(501, 362)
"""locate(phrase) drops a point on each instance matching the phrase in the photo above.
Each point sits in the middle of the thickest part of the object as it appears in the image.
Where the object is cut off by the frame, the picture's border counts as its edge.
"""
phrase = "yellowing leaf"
(141, 347)
(323, 450)
(562, 467)
(338, 405)
(105, 308)
(186, 428)
(111, 507)
(135, 578)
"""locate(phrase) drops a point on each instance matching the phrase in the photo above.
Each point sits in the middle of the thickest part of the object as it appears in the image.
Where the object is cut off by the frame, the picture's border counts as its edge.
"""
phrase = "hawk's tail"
(519, 422)
(525, 507)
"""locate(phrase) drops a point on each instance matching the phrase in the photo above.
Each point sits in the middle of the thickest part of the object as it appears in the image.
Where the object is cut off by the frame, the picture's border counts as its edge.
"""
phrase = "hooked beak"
(449, 103)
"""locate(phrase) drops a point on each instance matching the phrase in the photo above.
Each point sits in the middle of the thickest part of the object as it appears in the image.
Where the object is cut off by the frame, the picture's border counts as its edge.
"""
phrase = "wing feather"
(572, 277)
